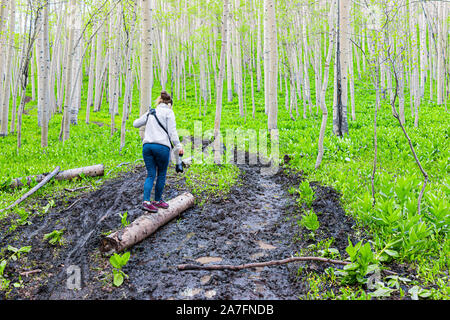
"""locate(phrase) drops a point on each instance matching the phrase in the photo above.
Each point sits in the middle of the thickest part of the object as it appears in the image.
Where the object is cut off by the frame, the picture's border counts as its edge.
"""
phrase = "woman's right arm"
(140, 121)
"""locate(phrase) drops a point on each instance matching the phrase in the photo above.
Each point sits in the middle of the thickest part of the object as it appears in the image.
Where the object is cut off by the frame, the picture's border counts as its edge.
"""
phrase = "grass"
(393, 223)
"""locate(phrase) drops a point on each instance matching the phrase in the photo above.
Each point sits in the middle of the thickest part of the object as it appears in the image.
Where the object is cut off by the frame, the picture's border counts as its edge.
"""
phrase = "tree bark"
(273, 66)
(90, 171)
(219, 94)
(145, 225)
(6, 93)
(340, 123)
(146, 60)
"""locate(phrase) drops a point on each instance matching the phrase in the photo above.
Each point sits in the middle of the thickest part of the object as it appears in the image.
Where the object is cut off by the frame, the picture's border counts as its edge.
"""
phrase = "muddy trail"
(256, 222)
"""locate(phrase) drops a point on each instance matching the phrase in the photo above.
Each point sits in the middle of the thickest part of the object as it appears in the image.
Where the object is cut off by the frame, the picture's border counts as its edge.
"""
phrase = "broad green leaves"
(118, 262)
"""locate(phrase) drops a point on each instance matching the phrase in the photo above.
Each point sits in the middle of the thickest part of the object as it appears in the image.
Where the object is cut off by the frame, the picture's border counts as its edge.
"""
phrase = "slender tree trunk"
(340, 124)
(69, 63)
(6, 93)
(326, 72)
(146, 60)
(219, 85)
(43, 93)
(273, 65)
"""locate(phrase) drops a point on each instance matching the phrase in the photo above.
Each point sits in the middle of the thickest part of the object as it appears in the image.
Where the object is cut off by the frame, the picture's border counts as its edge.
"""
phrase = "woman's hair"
(164, 98)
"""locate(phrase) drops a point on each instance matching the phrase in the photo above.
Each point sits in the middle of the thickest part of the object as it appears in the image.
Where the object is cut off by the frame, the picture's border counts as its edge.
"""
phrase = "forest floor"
(256, 221)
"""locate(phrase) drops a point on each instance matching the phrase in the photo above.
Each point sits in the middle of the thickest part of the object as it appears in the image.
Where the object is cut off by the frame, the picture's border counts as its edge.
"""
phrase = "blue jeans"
(156, 158)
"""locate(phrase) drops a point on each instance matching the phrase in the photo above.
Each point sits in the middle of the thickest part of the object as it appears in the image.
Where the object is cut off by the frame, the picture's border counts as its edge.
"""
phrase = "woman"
(156, 149)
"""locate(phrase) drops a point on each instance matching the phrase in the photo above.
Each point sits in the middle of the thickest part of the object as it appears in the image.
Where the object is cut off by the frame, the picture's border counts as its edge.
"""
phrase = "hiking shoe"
(148, 206)
(160, 204)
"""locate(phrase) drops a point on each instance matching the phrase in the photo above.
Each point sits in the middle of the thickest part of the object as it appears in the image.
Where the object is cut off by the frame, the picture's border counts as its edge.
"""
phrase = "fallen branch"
(91, 171)
(145, 225)
(258, 264)
(27, 273)
(34, 189)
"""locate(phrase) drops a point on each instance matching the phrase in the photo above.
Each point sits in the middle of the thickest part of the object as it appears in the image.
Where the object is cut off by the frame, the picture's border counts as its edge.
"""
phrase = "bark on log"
(91, 171)
(145, 225)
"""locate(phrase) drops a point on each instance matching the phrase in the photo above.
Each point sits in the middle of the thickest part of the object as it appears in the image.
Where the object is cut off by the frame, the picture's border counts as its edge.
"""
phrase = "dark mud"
(256, 222)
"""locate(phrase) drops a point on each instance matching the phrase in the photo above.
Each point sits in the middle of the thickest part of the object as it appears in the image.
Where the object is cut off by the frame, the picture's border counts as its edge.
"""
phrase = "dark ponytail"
(166, 98)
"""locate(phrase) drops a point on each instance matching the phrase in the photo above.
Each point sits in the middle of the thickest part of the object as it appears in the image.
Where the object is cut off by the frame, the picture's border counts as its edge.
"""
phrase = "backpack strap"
(153, 112)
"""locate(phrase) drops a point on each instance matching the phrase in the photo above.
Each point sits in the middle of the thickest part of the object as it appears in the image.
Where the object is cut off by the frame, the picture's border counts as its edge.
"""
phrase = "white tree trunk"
(273, 65)
(7, 87)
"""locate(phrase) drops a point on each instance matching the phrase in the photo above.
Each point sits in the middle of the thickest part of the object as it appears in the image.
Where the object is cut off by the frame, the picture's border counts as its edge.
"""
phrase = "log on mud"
(90, 171)
(145, 225)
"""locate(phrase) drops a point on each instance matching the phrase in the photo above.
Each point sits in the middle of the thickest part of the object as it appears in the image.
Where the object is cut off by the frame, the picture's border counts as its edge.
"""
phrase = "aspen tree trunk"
(266, 58)
(90, 101)
(146, 60)
(77, 69)
(129, 79)
(238, 61)
(340, 124)
(423, 52)
(69, 63)
(351, 76)
(306, 86)
(273, 65)
(400, 51)
(229, 56)
(440, 56)
(415, 80)
(6, 93)
(219, 85)
(326, 73)
(3, 46)
(98, 69)
(43, 93)
(258, 45)
(54, 64)
(18, 76)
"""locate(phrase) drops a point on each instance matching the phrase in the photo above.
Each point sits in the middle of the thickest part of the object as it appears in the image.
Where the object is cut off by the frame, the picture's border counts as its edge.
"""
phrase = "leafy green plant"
(4, 283)
(362, 263)
(118, 262)
(310, 221)
(123, 219)
(17, 252)
(55, 237)
(306, 193)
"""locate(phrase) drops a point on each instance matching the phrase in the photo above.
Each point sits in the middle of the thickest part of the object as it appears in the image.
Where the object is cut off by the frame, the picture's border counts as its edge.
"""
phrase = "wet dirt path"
(255, 223)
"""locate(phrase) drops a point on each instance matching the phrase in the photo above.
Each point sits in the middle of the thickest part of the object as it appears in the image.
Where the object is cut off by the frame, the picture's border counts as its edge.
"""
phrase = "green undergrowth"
(397, 233)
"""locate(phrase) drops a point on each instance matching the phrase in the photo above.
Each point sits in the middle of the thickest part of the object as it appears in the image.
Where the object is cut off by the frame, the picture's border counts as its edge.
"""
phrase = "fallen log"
(145, 225)
(183, 267)
(34, 189)
(91, 171)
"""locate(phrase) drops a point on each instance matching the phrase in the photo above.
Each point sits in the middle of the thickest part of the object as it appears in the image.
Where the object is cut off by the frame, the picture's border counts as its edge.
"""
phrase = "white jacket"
(153, 131)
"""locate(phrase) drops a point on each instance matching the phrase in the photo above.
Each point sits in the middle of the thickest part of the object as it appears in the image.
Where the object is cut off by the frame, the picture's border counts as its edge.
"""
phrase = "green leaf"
(351, 266)
(115, 261)
(391, 253)
(118, 278)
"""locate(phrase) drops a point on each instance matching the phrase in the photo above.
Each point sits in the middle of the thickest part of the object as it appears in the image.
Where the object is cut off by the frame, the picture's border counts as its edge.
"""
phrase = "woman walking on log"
(159, 137)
